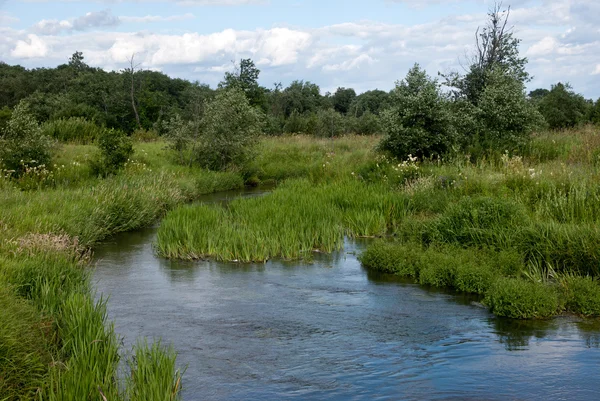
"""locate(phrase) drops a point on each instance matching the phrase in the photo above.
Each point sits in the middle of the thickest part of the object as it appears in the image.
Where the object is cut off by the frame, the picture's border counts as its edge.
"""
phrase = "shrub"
(230, 128)
(330, 124)
(521, 299)
(22, 143)
(392, 258)
(505, 116)
(115, 149)
(583, 295)
(418, 122)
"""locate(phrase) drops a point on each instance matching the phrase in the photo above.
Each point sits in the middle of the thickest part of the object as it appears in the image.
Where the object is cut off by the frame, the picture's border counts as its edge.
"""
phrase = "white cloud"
(156, 18)
(7, 19)
(558, 38)
(31, 47)
(94, 19)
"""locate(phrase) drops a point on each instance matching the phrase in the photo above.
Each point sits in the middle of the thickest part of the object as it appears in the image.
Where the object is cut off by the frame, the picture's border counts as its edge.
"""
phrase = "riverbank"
(51, 329)
(519, 230)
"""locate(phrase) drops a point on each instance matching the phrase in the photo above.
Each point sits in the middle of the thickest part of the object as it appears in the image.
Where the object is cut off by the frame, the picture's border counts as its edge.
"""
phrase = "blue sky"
(361, 44)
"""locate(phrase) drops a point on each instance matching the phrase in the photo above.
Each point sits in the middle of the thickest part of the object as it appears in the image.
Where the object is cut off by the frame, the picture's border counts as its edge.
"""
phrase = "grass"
(55, 340)
(520, 231)
(296, 219)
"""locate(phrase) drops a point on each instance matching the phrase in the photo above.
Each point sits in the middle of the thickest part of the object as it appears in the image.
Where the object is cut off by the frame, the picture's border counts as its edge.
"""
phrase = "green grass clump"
(153, 373)
(24, 347)
(522, 299)
(73, 129)
(570, 248)
(292, 222)
(583, 295)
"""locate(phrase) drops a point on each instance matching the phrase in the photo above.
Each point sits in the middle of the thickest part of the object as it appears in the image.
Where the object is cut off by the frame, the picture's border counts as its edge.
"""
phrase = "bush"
(22, 143)
(520, 299)
(506, 119)
(392, 258)
(419, 122)
(230, 129)
(115, 149)
(583, 295)
(330, 123)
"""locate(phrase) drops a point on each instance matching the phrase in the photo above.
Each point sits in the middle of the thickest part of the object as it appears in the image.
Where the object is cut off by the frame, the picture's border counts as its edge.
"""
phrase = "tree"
(505, 118)
(496, 48)
(562, 107)
(595, 113)
(301, 97)
(342, 98)
(22, 143)
(131, 71)
(418, 123)
(373, 101)
(230, 130)
(245, 78)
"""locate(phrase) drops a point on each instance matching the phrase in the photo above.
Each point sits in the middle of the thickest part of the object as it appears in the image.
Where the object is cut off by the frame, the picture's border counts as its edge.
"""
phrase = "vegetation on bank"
(463, 192)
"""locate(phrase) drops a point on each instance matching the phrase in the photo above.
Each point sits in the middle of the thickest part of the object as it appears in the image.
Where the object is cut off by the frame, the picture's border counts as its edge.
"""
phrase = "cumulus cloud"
(31, 47)
(558, 38)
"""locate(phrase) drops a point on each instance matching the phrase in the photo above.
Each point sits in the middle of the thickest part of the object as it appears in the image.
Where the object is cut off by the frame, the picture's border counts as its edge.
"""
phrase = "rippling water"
(329, 330)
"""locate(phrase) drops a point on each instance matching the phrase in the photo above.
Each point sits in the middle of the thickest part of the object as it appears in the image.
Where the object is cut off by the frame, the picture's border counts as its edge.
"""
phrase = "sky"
(333, 43)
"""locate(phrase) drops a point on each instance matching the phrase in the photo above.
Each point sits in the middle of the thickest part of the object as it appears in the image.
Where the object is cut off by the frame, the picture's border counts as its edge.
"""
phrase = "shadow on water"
(329, 330)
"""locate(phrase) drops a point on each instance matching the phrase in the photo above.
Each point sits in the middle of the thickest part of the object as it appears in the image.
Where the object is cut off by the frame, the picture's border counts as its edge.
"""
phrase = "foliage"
(181, 136)
(496, 49)
(342, 99)
(520, 299)
(506, 118)
(115, 150)
(230, 129)
(245, 78)
(374, 101)
(562, 107)
(418, 122)
(22, 143)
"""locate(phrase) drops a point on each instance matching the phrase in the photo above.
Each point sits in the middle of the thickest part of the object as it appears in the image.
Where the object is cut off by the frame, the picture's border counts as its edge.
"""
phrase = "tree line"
(484, 107)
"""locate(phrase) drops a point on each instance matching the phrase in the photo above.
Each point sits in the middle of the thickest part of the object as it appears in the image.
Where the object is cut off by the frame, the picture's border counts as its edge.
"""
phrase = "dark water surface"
(331, 331)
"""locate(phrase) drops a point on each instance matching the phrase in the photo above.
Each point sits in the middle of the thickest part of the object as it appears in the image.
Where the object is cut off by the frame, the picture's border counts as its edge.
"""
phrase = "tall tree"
(496, 48)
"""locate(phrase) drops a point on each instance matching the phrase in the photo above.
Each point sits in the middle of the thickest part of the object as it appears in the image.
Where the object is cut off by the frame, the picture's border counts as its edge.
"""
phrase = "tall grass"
(73, 129)
(292, 222)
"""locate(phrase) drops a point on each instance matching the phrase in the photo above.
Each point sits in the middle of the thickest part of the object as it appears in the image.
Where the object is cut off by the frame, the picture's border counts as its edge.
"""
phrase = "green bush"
(506, 119)
(22, 143)
(562, 107)
(392, 258)
(475, 276)
(419, 120)
(521, 299)
(583, 295)
(230, 130)
(115, 150)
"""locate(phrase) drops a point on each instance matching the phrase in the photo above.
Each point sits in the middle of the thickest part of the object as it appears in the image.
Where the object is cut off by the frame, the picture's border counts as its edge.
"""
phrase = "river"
(329, 330)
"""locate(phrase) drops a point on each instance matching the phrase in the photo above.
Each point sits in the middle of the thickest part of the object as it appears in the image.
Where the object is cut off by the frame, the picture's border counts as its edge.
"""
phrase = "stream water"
(329, 330)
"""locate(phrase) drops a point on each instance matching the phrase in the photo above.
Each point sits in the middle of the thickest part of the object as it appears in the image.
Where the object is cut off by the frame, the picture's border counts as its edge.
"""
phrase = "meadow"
(56, 342)
(519, 230)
